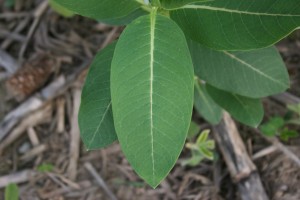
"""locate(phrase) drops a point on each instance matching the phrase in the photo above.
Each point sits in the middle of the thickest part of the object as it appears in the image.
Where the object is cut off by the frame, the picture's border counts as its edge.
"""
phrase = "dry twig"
(18, 177)
(74, 148)
(240, 166)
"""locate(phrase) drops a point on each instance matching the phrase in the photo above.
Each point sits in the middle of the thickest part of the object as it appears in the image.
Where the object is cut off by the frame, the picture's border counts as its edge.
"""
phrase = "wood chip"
(18, 177)
(33, 136)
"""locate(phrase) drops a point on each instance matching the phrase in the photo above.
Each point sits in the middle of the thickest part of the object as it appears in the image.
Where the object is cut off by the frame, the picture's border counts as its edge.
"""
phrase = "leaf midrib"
(236, 11)
(152, 36)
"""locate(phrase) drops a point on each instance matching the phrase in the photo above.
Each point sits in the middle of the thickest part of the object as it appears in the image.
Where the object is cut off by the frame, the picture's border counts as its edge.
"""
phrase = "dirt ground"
(41, 150)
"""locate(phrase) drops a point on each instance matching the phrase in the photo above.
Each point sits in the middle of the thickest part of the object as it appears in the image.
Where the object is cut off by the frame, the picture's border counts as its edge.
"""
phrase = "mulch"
(45, 156)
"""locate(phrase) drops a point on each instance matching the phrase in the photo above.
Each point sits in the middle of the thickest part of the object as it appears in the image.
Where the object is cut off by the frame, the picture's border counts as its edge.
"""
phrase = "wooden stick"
(34, 139)
(34, 152)
(32, 120)
(240, 166)
(60, 115)
(18, 177)
(264, 152)
(286, 98)
(8, 62)
(99, 180)
(41, 9)
(74, 148)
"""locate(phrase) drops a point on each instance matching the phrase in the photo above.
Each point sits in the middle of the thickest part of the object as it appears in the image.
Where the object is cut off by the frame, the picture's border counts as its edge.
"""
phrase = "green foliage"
(9, 3)
(241, 72)
(278, 126)
(205, 105)
(45, 167)
(151, 124)
(95, 115)
(12, 192)
(244, 109)
(172, 4)
(238, 25)
(200, 150)
(193, 130)
(151, 85)
(271, 128)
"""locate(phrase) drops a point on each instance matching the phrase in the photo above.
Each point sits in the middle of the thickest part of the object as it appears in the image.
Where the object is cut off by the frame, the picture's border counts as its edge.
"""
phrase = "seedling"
(200, 150)
(278, 126)
(140, 89)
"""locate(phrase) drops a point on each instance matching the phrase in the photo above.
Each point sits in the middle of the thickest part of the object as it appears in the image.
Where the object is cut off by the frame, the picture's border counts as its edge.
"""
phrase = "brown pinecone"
(31, 76)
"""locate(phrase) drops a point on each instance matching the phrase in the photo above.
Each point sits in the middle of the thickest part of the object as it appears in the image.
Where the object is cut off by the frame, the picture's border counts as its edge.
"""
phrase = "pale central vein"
(237, 11)
(252, 68)
(152, 32)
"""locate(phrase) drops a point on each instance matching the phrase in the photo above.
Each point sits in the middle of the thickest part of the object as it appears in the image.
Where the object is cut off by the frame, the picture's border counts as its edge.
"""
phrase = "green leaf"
(12, 192)
(100, 10)
(193, 130)
(205, 105)
(60, 9)
(9, 3)
(254, 74)
(194, 160)
(95, 114)
(152, 95)
(45, 167)
(171, 4)
(272, 127)
(202, 137)
(287, 134)
(238, 25)
(246, 110)
(206, 153)
(210, 144)
(127, 19)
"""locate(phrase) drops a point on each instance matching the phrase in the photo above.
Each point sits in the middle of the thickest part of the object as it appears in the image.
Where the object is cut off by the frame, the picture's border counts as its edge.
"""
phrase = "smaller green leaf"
(45, 168)
(246, 110)
(202, 137)
(207, 153)
(272, 127)
(193, 130)
(194, 160)
(61, 9)
(95, 115)
(205, 105)
(12, 192)
(287, 134)
(210, 144)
